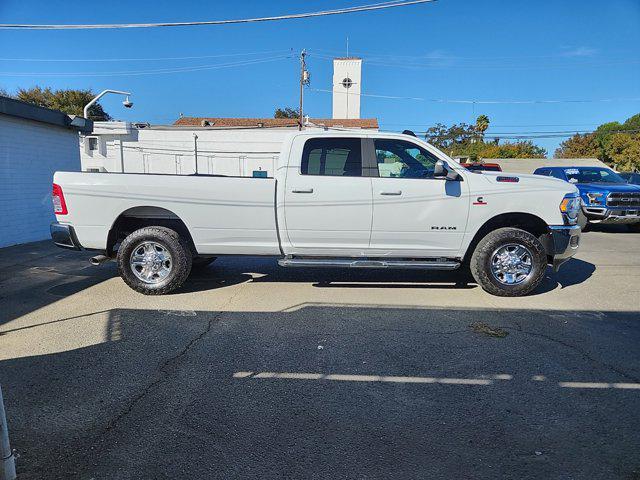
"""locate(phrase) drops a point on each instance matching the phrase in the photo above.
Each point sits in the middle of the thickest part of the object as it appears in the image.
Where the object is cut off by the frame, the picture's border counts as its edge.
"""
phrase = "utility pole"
(304, 80)
(7, 457)
(195, 150)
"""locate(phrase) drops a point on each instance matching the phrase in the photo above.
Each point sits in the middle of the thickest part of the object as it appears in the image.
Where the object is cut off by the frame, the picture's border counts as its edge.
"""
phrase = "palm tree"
(482, 123)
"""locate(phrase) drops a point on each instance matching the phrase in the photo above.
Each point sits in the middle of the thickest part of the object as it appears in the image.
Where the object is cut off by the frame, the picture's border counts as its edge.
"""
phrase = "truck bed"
(225, 215)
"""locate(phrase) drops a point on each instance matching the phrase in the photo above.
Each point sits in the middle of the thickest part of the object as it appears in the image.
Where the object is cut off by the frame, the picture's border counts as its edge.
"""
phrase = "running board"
(424, 264)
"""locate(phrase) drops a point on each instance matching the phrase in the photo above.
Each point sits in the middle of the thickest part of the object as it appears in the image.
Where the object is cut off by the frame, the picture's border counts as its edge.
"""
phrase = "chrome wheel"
(512, 264)
(151, 262)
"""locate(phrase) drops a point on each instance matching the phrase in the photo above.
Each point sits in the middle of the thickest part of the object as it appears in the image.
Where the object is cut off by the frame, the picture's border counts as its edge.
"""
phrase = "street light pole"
(127, 103)
(7, 457)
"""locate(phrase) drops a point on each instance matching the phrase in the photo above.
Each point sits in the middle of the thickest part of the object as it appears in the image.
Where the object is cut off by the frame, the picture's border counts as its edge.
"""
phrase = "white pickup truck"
(352, 199)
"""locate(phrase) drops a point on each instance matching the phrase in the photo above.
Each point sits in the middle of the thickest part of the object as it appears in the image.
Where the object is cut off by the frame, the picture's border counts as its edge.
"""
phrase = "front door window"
(401, 159)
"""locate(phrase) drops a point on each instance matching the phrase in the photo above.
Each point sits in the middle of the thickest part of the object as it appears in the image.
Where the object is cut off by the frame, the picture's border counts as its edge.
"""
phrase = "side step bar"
(422, 264)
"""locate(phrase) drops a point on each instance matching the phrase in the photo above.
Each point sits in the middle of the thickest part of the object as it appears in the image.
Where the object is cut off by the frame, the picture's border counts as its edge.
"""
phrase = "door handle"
(303, 190)
(394, 192)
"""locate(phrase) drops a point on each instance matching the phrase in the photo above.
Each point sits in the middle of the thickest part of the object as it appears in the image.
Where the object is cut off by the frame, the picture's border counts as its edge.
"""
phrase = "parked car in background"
(631, 177)
(606, 196)
(349, 199)
(483, 167)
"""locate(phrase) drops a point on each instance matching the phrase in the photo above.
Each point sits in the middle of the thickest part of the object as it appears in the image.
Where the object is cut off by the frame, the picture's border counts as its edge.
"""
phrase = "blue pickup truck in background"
(606, 196)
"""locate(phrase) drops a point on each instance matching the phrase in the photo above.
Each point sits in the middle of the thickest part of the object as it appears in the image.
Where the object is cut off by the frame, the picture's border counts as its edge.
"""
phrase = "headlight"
(570, 208)
(595, 198)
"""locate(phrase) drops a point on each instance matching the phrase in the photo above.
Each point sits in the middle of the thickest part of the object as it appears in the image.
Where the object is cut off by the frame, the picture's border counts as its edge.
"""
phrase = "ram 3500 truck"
(336, 199)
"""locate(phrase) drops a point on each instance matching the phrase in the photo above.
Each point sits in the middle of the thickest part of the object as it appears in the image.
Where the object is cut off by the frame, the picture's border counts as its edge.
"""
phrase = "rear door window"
(338, 157)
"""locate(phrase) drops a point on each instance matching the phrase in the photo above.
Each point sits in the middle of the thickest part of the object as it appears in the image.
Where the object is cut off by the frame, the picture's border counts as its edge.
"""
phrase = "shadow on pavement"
(232, 271)
(609, 228)
(35, 275)
(324, 391)
(55, 274)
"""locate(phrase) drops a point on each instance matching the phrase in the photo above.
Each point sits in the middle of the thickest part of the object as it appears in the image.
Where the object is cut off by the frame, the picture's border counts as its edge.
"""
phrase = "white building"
(347, 85)
(124, 147)
(222, 146)
(34, 143)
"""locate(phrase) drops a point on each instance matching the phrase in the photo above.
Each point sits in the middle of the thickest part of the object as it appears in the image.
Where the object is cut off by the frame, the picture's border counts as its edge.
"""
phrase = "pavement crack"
(164, 373)
(164, 367)
(581, 352)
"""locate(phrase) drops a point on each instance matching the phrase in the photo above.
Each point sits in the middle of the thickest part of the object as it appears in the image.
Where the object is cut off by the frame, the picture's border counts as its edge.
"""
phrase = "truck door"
(414, 214)
(327, 200)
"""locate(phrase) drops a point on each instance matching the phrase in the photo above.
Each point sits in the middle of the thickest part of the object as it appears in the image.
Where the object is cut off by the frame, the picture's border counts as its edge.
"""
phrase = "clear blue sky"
(451, 49)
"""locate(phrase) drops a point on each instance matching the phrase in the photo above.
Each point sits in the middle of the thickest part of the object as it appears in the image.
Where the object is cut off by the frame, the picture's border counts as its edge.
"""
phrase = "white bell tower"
(347, 83)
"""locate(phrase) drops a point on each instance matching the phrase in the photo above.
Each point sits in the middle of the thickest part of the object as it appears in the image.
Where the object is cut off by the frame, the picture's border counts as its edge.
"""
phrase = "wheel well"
(525, 221)
(139, 217)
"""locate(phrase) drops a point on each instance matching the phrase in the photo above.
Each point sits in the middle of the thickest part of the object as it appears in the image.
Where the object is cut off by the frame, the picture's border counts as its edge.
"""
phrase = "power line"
(97, 60)
(159, 71)
(439, 56)
(446, 63)
(535, 135)
(339, 11)
(483, 102)
(502, 126)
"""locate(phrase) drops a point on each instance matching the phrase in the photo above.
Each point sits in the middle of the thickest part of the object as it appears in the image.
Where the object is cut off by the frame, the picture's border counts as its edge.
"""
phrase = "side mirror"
(439, 169)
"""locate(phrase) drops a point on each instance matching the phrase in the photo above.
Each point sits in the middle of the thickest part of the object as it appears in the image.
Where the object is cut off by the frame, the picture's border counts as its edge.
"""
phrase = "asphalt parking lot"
(253, 371)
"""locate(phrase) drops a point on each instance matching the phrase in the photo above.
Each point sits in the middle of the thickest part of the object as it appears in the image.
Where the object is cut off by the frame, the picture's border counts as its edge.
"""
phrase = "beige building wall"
(528, 165)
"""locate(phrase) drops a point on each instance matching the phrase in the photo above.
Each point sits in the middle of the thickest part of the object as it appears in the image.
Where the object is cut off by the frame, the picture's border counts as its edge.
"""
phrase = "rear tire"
(154, 260)
(509, 262)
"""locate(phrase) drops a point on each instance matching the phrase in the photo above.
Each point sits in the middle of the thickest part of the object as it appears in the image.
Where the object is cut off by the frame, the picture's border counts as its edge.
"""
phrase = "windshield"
(592, 175)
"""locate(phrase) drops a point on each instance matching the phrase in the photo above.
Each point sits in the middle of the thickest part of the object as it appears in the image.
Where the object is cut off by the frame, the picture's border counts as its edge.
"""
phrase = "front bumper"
(611, 214)
(562, 243)
(64, 236)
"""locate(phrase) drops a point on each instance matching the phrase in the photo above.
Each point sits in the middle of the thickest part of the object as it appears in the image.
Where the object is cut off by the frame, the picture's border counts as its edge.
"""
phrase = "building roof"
(28, 111)
(275, 122)
(528, 165)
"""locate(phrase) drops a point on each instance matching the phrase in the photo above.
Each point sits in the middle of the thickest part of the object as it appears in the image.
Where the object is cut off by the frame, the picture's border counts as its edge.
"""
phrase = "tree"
(71, 102)
(482, 123)
(462, 140)
(614, 143)
(580, 146)
(520, 149)
(447, 138)
(286, 112)
(623, 150)
(632, 123)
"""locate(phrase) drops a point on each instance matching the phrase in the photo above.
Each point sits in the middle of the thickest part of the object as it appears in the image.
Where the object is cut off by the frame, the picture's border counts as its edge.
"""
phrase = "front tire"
(509, 262)
(154, 260)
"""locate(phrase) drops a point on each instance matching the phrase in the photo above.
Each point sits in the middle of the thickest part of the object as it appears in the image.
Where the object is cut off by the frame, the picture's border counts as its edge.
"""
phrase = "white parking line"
(485, 380)
(480, 380)
(623, 386)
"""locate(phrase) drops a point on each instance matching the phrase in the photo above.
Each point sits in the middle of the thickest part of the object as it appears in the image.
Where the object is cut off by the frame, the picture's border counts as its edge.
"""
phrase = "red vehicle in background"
(482, 167)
